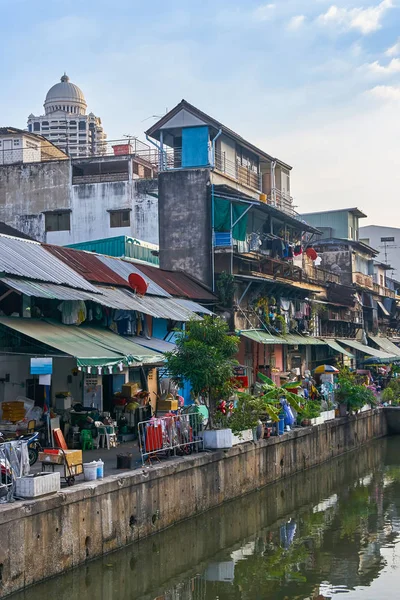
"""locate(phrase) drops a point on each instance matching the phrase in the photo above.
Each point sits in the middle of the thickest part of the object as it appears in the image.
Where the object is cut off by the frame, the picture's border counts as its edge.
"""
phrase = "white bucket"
(90, 471)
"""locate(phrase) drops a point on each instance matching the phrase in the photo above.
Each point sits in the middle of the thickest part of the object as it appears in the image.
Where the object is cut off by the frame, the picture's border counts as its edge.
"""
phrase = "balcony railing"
(243, 175)
(283, 201)
(363, 280)
(321, 275)
(384, 291)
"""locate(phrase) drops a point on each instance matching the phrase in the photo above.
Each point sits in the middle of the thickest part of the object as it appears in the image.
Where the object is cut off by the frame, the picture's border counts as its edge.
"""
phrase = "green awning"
(385, 344)
(338, 348)
(223, 220)
(303, 340)
(367, 350)
(263, 337)
(91, 346)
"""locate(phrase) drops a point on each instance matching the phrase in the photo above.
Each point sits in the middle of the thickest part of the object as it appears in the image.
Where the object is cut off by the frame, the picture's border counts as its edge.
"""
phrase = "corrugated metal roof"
(154, 344)
(31, 260)
(88, 265)
(178, 284)
(161, 308)
(367, 349)
(303, 340)
(385, 344)
(125, 267)
(263, 337)
(46, 290)
(193, 306)
(338, 348)
(91, 346)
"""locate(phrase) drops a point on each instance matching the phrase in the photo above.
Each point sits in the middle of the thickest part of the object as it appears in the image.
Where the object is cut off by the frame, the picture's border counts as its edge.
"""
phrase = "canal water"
(332, 532)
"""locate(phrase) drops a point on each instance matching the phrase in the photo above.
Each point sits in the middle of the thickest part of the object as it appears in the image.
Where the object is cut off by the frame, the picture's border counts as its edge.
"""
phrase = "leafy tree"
(204, 356)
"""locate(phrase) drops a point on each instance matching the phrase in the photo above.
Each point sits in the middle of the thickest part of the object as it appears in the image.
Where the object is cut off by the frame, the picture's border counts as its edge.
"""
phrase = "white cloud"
(263, 12)
(365, 20)
(386, 92)
(394, 50)
(296, 22)
(390, 69)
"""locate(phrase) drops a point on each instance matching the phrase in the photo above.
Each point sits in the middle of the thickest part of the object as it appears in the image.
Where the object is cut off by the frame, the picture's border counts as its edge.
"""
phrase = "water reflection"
(331, 532)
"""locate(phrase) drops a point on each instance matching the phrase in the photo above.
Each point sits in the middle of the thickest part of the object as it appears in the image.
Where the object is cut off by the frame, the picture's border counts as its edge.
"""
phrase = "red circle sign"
(138, 283)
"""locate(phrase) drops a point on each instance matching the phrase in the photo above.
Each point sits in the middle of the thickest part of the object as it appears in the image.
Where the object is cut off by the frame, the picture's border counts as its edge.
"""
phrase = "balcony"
(282, 201)
(246, 176)
(384, 291)
(320, 275)
(362, 280)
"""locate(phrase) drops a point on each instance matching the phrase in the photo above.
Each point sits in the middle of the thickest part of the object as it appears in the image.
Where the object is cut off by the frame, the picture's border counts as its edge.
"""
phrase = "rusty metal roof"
(125, 267)
(31, 260)
(88, 265)
(178, 284)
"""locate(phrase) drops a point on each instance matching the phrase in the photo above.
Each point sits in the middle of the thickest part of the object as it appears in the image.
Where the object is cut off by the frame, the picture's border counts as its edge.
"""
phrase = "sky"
(315, 83)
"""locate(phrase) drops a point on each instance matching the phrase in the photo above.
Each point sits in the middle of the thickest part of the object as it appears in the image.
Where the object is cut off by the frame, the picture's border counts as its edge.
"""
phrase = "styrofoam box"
(217, 438)
(63, 403)
(40, 484)
(245, 436)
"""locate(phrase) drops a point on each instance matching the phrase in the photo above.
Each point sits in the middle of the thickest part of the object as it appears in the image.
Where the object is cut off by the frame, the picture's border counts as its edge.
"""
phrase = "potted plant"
(309, 413)
(204, 357)
(350, 395)
(245, 418)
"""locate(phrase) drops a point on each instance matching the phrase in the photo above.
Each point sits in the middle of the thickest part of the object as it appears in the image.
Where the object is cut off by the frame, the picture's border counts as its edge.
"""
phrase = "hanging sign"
(41, 366)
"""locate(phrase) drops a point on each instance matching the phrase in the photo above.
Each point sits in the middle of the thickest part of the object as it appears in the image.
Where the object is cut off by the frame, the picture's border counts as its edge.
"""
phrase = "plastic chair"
(87, 440)
(104, 437)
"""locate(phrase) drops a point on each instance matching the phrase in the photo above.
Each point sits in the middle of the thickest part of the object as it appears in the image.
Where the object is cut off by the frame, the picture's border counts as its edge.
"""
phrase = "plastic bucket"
(100, 469)
(90, 471)
(124, 461)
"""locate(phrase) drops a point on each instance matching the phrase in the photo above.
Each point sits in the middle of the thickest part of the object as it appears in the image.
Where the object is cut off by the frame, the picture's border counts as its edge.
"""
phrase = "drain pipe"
(160, 156)
(273, 186)
(213, 147)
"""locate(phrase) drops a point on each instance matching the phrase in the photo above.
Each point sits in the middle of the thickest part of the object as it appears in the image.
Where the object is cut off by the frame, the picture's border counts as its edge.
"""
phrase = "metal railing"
(321, 275)
(14, 463)
(243, 175)
(283, 201)
(170, 436)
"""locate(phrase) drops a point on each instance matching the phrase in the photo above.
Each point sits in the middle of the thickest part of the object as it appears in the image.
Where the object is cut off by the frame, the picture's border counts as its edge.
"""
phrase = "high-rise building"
(65, 122)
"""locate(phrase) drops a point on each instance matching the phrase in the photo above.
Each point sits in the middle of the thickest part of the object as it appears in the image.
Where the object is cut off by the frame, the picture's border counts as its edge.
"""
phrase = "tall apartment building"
(65, 122)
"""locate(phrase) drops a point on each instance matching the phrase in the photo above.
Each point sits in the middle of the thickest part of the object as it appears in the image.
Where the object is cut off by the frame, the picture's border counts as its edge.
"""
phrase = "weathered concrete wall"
(185, 222)
(219, 535)
(90, 219)
(46, 537)
(26, 190)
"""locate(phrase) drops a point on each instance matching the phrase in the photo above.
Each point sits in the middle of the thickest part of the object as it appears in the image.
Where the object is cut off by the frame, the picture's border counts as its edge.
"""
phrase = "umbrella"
(326, 369)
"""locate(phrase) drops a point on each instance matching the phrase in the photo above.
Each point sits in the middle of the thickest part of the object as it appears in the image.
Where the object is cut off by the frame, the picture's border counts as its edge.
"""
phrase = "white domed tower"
(65, 122)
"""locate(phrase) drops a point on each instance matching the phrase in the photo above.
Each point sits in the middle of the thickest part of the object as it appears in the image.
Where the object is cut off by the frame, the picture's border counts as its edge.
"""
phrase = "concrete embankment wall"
(42, 538)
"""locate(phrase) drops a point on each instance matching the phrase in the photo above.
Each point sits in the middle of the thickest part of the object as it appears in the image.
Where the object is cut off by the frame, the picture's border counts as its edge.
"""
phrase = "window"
(82, 125)
(72, 122)
(30, 127)
(120, 218)
(45, 123)
(36, 126)
(381, 280)
(16, 142)
(59, 221)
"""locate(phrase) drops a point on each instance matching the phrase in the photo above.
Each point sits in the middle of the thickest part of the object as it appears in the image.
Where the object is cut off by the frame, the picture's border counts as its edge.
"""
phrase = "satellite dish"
(138, 283)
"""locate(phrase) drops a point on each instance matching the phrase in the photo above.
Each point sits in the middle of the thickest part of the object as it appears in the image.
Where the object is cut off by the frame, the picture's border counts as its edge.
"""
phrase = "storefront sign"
(41, 366)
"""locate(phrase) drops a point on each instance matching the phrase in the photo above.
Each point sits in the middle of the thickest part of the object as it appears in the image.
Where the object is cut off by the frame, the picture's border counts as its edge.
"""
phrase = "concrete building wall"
(339, 262)
(338, 221)
(27, 191)
(185, 222)
(94, 518)
(388, 251)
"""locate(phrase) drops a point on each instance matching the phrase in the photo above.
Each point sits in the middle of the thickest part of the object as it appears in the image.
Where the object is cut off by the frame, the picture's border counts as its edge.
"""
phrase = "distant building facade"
(387, 241)
(18, 146)
(65, 122)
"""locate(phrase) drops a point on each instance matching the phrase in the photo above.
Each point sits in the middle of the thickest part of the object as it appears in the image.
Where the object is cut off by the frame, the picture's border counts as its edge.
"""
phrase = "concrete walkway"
(109, 457)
